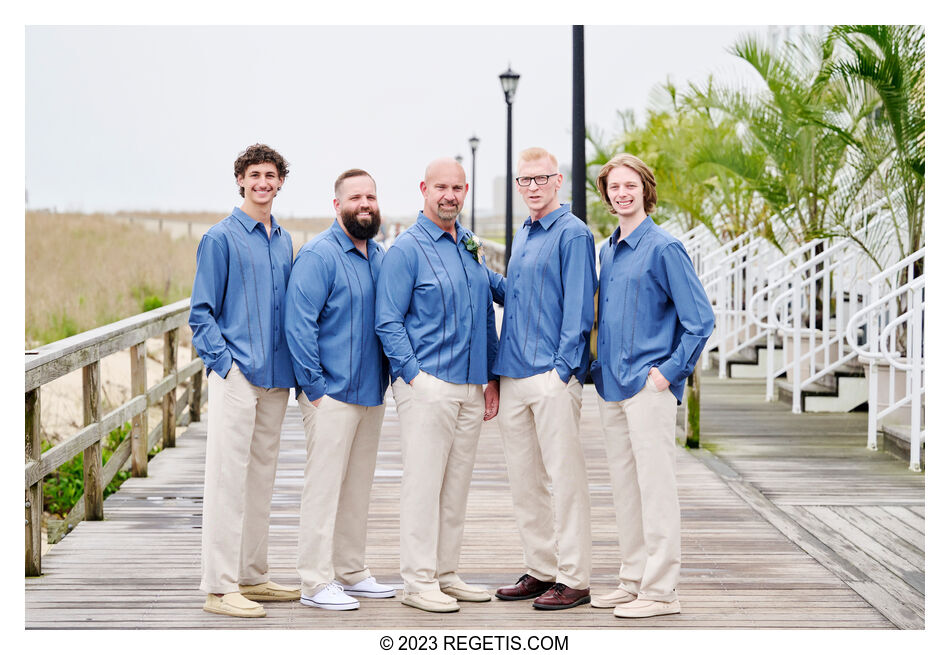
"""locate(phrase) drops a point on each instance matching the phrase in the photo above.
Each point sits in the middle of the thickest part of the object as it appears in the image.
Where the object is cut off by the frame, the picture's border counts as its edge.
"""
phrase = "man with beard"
(436, 321)
(341, 376)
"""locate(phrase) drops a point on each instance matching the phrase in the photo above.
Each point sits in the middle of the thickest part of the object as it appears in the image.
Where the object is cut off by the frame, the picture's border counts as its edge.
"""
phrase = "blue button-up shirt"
(434, 308)
(652, 312)
(331, 320)
(548, 297)
(237, 301)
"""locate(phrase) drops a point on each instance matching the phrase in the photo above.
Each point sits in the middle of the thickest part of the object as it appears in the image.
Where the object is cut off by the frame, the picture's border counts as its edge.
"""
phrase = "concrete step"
(848, 393)
(895, 439)
(749, 363)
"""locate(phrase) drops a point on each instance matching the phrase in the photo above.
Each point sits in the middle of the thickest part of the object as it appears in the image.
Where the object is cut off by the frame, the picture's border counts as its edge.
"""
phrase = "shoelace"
(559, 587)
(334, 589)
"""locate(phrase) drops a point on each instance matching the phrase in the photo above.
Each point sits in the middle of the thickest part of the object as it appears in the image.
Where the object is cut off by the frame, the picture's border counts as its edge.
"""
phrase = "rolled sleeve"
(578, 280)
(307, 294)
(693, 311)
(393, 295)
(207, 299)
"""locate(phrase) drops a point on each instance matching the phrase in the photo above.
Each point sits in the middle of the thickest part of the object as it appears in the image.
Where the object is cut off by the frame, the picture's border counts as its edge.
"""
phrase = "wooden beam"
(34, 492)
(92, 455)
(168, 402)
(196, 382)
(138, 435)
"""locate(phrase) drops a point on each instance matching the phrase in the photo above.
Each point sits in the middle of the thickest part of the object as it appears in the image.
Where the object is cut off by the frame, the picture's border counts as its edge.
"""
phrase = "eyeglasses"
(540, 180)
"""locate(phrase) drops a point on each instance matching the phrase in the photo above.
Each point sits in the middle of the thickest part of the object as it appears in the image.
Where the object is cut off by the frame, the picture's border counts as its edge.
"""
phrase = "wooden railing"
(85, 351)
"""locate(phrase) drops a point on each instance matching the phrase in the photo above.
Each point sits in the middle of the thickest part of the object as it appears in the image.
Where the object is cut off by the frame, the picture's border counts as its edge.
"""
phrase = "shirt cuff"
(409, 371)
(222, 365)
(671, 372)
(563, 371)
(317, 389)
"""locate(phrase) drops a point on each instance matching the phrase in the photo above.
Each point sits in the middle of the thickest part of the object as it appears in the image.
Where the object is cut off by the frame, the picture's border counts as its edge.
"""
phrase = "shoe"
(561, 597)
(464, 591)
(527, 587)
(430, 601)
(614, 598)
(331, 597)
(268, 591)
(233, 604)
(369, 588)
(640, 609)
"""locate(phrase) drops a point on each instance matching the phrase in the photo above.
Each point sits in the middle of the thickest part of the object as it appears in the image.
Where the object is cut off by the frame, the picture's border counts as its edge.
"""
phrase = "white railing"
(892, 327)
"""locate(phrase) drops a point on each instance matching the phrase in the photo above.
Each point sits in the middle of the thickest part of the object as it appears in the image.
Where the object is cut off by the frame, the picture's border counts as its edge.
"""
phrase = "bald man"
(436, 322)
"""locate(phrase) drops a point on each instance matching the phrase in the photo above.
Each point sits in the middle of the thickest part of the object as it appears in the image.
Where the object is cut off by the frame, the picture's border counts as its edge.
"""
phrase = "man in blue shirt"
(342, 375)
(542, 362)
(237, 324)
(654, 319)
(436, 321)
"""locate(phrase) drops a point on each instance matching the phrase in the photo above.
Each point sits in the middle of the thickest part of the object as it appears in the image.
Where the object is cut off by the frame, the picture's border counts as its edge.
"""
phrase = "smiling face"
(444, 191)
(357, 208)
(541, 199)
(625, 193)
(260, 183)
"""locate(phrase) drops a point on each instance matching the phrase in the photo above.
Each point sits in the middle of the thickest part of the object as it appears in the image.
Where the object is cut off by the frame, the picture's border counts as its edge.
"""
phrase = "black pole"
(578, 132)
(508, 191)
(473, 188)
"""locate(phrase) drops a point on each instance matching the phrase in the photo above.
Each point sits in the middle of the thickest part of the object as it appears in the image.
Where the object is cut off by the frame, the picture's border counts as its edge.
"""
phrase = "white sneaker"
(331, 597)
(369, 588)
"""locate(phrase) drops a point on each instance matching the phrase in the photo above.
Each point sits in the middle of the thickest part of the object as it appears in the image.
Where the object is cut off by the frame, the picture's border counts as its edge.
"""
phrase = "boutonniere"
(474, 246)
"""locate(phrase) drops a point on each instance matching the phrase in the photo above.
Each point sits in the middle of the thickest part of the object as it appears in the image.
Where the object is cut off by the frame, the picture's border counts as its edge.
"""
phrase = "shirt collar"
(549, 219)
(341, 237)
(250, 223)
(434, 230)
(634, 237)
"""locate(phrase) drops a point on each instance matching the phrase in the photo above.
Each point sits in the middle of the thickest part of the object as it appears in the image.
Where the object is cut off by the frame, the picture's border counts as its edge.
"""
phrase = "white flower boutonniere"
(474, 246)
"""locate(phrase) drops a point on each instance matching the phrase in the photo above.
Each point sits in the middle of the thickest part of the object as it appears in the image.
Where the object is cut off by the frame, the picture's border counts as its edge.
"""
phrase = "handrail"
(85, 351)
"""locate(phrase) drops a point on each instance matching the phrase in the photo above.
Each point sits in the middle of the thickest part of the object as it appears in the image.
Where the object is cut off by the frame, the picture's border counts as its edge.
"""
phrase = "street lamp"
(509, 83)
(474, 143)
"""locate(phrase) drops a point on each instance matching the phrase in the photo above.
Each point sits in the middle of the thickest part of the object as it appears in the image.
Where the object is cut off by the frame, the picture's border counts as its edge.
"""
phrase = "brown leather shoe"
(527, 587)
(562, 597)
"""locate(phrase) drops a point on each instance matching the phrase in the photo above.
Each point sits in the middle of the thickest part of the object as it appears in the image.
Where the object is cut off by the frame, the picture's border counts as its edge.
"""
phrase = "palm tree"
(886, 63)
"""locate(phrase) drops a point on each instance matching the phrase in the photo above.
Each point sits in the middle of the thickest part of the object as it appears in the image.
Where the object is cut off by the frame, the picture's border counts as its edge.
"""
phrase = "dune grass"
(88, 270)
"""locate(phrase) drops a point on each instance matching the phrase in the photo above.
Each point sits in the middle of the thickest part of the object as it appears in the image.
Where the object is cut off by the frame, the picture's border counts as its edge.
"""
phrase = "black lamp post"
(474, 143)
(509, 83)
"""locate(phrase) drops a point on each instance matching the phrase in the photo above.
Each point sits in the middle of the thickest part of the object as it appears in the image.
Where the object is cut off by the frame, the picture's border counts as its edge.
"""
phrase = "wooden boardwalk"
(140, 567)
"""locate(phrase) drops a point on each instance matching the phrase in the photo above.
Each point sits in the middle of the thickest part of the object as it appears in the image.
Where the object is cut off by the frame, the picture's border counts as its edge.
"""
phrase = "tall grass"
(87, 270)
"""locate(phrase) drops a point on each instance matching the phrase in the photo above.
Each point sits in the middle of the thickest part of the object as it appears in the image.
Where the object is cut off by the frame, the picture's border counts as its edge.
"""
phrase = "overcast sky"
(124, 118)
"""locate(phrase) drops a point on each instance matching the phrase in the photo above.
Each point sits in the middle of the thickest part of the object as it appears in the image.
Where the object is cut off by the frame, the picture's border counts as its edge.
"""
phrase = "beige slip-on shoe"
(466, 592)
(430, 601)
(269, 591)
(614, 598)
(233, 604)
(641, 609)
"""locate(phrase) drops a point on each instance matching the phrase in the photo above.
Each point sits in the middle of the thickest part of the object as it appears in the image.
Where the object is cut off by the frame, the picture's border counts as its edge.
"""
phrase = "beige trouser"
(439, 424)
(342, 440)
(240, 464)
(641, 449)
(539, 417)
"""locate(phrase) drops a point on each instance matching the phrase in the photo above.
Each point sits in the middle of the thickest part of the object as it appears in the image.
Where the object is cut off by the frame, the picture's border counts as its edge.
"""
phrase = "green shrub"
(63, 488)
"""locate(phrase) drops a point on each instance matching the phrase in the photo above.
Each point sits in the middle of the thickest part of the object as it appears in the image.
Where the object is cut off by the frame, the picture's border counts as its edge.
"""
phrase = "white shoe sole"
(326, 606)
(371, 594)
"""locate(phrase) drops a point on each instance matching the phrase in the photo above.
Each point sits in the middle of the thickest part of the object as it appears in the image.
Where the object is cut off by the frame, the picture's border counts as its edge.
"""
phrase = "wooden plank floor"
(814, 472)
(140, 567)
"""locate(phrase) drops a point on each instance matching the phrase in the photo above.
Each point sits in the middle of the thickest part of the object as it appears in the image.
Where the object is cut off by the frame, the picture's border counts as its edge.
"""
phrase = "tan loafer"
(430, 601)
(641, 609)
(466, 592)
(269, 591)
(614, 598)
(233, 604)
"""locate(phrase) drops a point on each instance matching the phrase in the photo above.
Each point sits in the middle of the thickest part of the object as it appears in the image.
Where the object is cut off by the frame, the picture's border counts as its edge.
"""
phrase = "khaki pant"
(641, 449)
(240, 464)
(439, 424)
(342, 440)
(539, 417)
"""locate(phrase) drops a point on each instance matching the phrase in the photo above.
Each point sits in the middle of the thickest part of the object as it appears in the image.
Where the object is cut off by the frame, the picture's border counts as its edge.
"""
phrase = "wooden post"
(34, 494)
(692, 410)
(196, 381)
(169, 419)
(139, 433)
(92, 456)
